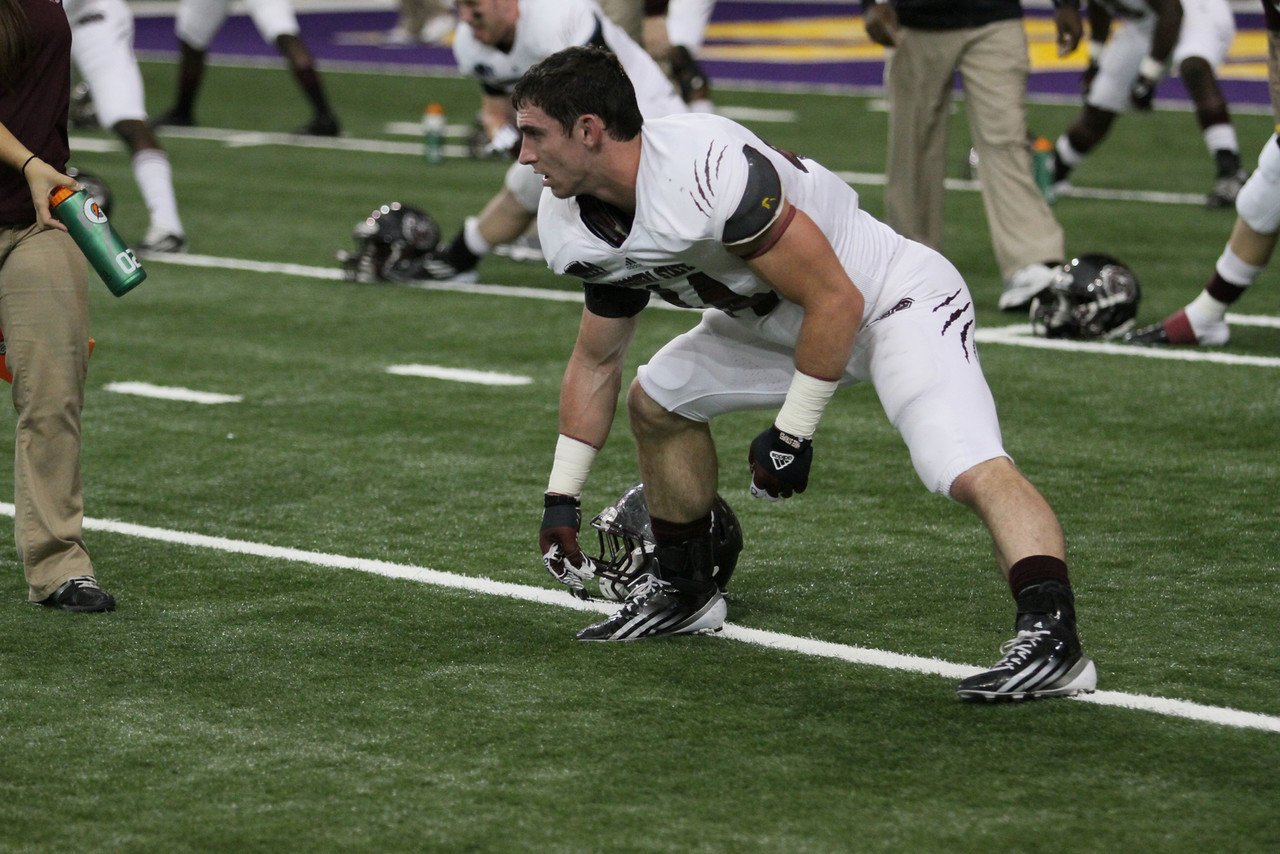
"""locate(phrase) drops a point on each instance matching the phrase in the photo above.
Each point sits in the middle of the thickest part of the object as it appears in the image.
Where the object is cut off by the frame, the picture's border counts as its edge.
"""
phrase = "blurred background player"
(421, 22)
(1124, 70)
(198, 21)
(1253, 239)
(102, 50)
(985, 42)
(497, 41)
(673, 34)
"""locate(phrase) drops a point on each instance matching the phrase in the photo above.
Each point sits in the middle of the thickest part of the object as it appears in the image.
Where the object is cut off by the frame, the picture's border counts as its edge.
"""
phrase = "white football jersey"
(548, 26)
(698, 174)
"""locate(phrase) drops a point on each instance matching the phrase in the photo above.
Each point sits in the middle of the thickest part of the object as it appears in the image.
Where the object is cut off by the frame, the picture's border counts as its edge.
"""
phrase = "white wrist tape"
(806, 399)
(1095, 49)
(571, 467)
(1152, 69)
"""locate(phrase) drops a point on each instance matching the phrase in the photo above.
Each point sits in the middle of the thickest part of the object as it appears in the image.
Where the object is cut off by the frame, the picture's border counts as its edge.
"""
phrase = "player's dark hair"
(580, 81)
(14, 45)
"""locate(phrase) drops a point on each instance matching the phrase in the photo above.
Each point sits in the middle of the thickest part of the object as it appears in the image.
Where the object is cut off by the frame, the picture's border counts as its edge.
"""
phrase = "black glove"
(779, 464)
(1143, 93)
(1086, 79)
(558, 542)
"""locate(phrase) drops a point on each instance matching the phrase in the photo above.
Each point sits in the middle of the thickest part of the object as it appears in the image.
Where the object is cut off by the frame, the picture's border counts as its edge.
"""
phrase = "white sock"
(471, 236)
(154, 175)
(1221, 138)
(1205, 311)
(1236, 271)
(1067, 153)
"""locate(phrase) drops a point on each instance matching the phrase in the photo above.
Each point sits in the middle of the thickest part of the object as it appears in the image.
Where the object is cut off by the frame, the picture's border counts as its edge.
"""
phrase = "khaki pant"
(44, 315)
(627, 14)
(993, 65)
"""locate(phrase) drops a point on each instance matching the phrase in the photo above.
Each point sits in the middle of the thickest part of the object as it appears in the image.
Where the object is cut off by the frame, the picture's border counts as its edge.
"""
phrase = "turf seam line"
(561, 598)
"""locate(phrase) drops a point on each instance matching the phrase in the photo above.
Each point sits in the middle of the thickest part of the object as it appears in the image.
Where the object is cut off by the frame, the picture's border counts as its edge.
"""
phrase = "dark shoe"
(656, 608)
(161, 243)
(1044, 660)
(436, 266)
(1176, 330)
(325, 124)
(1225, 189)
(1024, 284)
(81, 595)
(173, 118)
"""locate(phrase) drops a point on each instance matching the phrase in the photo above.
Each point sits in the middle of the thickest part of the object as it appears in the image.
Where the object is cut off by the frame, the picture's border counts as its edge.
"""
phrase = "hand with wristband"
(562, 516)
(558, 542)
(1143, 91)
(780, 457)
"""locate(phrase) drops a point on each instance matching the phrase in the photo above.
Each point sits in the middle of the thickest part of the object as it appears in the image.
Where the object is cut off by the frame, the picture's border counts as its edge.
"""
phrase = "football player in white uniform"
(102, 50)
(1252, 241)
(1124, 70)
(496, 42)
(674, 31)
(198, 21)
(805, 293)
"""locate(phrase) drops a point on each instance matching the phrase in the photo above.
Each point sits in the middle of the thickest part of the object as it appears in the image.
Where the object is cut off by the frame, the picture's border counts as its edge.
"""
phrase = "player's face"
(493, 22)
(558, 157)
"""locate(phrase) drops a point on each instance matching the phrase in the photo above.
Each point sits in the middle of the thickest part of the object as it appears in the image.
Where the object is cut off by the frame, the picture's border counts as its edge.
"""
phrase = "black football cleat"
(174, 118)
(1176, 330)
(1225, 189)
(656, 608)
(81, 595)
(437, 266)
(1044, 660)
(1154, 335)
(160, 243)
(324, 124)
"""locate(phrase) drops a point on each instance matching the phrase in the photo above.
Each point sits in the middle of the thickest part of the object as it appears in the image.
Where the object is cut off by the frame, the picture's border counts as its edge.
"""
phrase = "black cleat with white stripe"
(656, 608)
(1044, 660)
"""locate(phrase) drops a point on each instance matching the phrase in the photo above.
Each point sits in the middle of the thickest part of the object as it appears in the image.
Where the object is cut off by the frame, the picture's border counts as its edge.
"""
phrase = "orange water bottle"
(433, 129)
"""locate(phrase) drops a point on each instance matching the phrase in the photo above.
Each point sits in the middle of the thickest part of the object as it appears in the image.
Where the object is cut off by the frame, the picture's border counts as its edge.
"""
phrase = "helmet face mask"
(628, 549)
(390, 244)
(626, 544)
(1094, 297)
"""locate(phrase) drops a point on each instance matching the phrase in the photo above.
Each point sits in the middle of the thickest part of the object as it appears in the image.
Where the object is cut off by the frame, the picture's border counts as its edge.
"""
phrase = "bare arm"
(593, 377)
(1099, 23)
(1168, 26)
(803, 268)
(881, 21)
(496, 113)
(42, 178)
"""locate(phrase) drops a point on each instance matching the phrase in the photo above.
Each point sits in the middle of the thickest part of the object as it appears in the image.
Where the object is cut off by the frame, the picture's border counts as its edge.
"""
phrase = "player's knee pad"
(1259, 201)
(525, 185)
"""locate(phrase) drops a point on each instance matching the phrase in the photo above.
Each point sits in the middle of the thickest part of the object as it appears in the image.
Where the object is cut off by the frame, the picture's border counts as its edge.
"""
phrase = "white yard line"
(772, 640)
(171, 393)
(461, 375)
(1019, 335)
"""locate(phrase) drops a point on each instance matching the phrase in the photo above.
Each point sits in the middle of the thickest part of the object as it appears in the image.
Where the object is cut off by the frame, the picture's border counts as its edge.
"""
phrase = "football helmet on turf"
(1092, 297)
(627, 545)
(391, 244)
